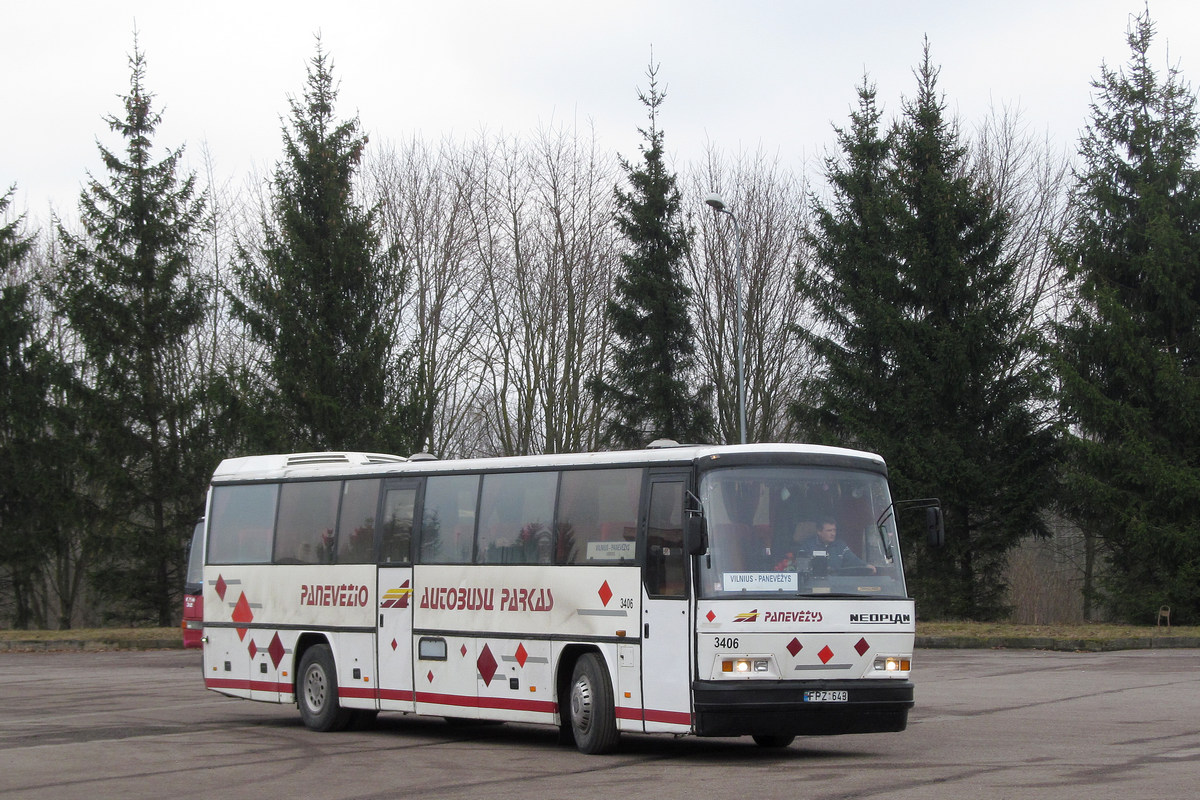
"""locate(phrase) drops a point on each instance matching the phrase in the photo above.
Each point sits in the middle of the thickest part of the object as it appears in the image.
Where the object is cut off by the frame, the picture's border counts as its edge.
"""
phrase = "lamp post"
(718, 205)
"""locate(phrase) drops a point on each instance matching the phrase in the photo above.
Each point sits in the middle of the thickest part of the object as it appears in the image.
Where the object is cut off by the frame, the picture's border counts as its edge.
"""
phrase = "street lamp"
(718, 205)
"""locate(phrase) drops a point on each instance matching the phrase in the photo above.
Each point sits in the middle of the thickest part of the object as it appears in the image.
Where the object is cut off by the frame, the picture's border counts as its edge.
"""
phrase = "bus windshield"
(799, 531)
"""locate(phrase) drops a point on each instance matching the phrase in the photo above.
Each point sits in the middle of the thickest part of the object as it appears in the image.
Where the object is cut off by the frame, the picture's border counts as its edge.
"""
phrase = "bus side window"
(516, 512)
(396, 535)
(304, 533)
(597, 516)
(664, 573)
(356, 524)
(448, 519)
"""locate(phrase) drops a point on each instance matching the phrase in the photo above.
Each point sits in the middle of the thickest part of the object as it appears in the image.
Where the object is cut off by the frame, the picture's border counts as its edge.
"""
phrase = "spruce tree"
(646, 393)
(321, 293)
(1131, 345)
(24, 391)
(853, 282)
(127, 287)
(924, 359)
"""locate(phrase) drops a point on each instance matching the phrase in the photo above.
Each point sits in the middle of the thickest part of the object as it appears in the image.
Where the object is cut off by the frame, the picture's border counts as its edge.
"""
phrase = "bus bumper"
(750, 708)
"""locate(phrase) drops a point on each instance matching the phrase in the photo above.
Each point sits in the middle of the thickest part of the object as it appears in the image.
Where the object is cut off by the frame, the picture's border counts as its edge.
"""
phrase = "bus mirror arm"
(697, 535)
(696, 529)
(935, 528)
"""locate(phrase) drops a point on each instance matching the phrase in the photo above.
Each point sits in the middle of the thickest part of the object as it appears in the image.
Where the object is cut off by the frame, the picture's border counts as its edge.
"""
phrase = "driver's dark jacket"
(837, 552)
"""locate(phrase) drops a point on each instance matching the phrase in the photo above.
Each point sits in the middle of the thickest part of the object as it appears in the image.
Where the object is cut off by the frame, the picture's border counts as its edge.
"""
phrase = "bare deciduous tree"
(1031, 181)
(424, 195)
(540, 220)
(770, 207)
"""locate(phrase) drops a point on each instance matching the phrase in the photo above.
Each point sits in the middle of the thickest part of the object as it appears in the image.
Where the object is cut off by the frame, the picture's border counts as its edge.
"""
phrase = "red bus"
(193, 591)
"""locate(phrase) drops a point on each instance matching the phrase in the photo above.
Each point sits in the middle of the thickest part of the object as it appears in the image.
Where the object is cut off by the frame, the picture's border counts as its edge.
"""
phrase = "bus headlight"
(744, 665)
(892, 664)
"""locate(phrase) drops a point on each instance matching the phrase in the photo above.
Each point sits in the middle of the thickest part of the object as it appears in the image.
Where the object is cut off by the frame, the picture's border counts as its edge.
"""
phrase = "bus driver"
(838, 555)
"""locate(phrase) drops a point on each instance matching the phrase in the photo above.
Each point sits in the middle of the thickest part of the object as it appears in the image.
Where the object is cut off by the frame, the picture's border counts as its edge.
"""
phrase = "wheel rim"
(315, 688)
(581, 704)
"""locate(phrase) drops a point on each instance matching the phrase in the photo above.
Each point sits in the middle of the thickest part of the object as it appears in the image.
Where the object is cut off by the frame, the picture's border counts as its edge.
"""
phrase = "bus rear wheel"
(316, 691)
(593, 714)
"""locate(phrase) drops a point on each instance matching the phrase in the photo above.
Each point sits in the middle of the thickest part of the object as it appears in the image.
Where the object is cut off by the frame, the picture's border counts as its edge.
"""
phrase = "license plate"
(826, 697)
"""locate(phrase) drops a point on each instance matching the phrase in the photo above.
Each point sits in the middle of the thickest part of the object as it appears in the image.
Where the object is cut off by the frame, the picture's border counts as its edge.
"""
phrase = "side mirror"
(935, 528)
(696, 531)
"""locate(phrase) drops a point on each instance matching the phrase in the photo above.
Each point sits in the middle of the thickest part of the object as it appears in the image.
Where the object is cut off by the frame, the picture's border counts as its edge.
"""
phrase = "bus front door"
(667, 649)
(394, 643)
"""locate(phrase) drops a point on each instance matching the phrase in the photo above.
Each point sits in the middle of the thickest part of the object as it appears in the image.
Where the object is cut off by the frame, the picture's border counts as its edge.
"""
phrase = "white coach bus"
(673, 589)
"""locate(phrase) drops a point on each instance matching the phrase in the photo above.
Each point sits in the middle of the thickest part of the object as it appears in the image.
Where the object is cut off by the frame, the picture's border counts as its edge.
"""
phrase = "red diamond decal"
(862, 646)
(463, 650)
(825, 654)
(794, 647)
(710, 616)
(395, 644)
(521, 654)
(429, 677)
(253, 648)
(220, 587)
(276, 651)
(605, 593)
(486, 664)
(242, 614)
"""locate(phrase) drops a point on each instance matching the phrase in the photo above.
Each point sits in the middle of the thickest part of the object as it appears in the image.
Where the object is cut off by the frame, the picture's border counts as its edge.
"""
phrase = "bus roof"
(302, 465)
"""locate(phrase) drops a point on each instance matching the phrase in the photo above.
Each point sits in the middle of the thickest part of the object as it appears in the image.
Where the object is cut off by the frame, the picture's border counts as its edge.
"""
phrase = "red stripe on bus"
(462, 701)
(254, 686)
(653, 715)
(674, 717)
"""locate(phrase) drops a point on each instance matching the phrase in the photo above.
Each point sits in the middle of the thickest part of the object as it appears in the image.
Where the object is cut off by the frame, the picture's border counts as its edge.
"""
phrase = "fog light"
(743, 665)
(892, 664)
(760, 665)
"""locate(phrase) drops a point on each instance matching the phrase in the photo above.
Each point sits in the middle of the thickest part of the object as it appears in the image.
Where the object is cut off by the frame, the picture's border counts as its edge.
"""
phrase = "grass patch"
(90, 635)
(1090, 631)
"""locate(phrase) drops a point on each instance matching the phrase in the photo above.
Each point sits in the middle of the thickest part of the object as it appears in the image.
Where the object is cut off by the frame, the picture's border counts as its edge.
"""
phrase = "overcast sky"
(740, 76)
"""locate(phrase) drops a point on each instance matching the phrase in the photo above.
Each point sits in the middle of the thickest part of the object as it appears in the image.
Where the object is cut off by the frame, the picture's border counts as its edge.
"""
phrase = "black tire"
(316, 691)
(774, 740)
(593, 715)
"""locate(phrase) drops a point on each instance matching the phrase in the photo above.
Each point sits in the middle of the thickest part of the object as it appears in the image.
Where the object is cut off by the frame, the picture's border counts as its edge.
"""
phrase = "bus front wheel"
(316, 691)
(593, 715)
